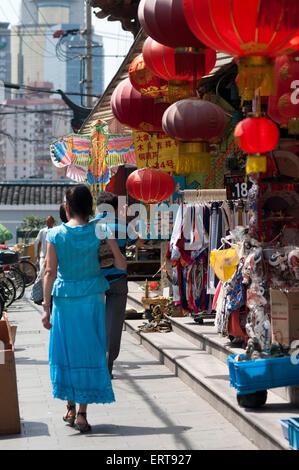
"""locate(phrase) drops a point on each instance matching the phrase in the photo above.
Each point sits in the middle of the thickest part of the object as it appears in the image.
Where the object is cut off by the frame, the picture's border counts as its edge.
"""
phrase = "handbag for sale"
(106, 257)
(37, 295)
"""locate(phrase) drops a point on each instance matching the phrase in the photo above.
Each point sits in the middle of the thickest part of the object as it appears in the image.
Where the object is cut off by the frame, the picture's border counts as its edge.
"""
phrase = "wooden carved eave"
(124, 11)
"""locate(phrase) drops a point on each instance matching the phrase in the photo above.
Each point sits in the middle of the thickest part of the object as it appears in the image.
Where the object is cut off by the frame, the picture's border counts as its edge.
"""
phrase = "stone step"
(205, 336)
(208, 376)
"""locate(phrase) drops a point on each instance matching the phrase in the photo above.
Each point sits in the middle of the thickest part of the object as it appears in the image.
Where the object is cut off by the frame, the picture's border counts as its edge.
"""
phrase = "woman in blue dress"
(77, 346)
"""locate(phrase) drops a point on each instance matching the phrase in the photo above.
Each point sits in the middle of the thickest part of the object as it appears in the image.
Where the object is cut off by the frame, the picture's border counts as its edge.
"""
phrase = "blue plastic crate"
(285, 427)
(294, 433)
(262, 374)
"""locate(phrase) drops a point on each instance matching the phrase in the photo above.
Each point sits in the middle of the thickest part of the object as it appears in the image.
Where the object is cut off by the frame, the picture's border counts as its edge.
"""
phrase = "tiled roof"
(32, 193)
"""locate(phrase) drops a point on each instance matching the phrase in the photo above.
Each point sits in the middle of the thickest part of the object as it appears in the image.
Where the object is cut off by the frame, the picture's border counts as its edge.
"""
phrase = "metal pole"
(88, 55)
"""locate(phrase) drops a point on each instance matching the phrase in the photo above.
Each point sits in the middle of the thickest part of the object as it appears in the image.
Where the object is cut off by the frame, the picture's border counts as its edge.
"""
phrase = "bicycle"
(28, 269)
(16, 276)
(7, 290)
(1, 306)
(9, 260)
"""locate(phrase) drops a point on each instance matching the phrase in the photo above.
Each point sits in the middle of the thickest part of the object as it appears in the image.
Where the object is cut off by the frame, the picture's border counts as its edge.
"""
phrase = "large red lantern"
(161, 61)
(144, 81)
(233, 26)
(135, 110)
(150, 185)
(256, 135)
(195, 124)
(164, 21)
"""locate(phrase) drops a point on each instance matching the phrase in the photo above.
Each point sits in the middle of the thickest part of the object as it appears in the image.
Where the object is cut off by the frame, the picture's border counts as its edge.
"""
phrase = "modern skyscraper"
(5, 66)
(52, 11)
(5, 61)
(35, 49)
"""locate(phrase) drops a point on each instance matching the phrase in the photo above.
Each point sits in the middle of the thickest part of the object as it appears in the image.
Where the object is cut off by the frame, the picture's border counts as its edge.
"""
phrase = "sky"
(118, 46)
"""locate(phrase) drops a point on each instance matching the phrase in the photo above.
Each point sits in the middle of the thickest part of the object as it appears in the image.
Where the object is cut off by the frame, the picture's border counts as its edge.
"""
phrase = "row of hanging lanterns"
(180, 50)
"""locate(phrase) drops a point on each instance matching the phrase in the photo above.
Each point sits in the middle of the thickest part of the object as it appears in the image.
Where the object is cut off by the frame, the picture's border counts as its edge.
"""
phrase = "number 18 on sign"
(236, 187)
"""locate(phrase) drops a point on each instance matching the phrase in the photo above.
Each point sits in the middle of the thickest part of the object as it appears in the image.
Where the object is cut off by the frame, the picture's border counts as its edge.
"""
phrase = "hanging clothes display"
(203, 219)
(188, 253)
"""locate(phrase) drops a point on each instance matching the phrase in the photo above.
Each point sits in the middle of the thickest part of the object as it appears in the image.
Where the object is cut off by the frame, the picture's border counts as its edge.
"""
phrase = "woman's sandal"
(70, 420)
(83, 427)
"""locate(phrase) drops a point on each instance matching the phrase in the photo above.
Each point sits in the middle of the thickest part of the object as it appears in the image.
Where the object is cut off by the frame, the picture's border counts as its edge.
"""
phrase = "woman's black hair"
(80, 201)
(62, 213)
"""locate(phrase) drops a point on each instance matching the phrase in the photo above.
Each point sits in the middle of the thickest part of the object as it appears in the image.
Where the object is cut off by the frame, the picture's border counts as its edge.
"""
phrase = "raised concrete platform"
(197, 355)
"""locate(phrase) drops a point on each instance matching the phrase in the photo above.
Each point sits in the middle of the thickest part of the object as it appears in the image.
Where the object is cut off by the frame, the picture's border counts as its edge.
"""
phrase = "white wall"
(12, 216)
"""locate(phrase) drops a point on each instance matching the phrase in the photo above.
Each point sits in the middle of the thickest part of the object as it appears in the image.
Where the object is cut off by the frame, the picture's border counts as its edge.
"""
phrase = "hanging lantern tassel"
(256, 164)
(279, 13)
(256, 72)
(293, 126)
(178, 90)
(190, 61)
(193, 158)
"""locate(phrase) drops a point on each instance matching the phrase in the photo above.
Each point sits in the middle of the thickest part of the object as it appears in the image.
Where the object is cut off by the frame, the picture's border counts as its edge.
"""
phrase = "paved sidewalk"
(153, 408)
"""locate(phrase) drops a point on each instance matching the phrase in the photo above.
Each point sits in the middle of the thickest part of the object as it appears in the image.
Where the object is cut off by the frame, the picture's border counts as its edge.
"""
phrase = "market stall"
(233, 254)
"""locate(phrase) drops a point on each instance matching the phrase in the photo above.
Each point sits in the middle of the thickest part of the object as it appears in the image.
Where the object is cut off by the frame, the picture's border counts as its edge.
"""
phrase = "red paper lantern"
(233, 26)
(256, 135)
(195, 124)
(164, 21)
(144, 81)
(194, 120)
(135, 110)
(150, 186)
(161, 59)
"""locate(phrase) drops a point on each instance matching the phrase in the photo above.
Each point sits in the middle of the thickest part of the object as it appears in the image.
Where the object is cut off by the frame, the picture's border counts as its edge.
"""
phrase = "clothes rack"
(203, 195)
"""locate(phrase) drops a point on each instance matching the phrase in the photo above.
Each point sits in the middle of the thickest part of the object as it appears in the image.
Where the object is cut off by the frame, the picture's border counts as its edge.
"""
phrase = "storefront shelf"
(251, 376)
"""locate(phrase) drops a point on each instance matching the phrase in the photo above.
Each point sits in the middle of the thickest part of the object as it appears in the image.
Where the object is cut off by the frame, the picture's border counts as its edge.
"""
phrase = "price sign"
(236, 187)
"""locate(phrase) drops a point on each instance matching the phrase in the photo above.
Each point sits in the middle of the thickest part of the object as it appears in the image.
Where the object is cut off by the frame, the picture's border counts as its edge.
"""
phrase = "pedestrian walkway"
(153, 410)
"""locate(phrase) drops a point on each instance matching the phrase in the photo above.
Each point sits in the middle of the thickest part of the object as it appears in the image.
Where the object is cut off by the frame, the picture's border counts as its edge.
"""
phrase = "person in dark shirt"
(116, 296)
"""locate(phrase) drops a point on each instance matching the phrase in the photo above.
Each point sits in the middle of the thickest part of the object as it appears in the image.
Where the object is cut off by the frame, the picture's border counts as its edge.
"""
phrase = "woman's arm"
(120, 261)
(49, 278)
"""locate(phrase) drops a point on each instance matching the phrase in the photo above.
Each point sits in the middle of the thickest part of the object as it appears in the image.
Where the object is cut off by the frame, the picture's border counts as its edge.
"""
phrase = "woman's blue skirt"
(77, 350)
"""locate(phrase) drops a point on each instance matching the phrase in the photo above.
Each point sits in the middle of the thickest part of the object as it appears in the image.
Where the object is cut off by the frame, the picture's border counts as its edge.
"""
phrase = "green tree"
(33, 222)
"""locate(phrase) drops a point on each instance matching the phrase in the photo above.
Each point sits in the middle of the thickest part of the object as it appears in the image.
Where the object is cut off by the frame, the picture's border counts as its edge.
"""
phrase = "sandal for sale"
(83, 427)
(70, 420)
